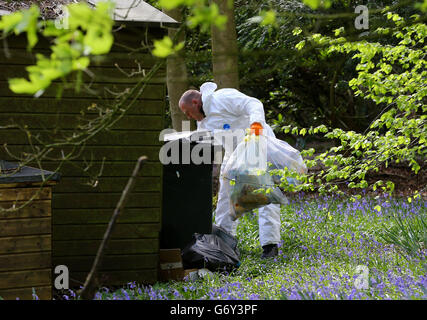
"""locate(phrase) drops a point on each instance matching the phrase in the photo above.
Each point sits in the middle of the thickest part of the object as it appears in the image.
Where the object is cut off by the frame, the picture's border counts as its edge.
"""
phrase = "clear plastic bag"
(250, 185)
(281, 155)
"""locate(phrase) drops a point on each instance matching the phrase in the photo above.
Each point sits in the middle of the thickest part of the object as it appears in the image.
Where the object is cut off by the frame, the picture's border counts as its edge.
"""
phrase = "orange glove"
(256, 128)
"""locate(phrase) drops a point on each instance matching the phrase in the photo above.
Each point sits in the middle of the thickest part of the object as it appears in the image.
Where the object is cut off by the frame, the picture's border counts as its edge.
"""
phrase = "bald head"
(191, 104)
(188, 96)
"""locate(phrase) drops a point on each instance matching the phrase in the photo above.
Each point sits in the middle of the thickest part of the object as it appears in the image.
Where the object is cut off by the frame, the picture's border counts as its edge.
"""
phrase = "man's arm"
(239, 104)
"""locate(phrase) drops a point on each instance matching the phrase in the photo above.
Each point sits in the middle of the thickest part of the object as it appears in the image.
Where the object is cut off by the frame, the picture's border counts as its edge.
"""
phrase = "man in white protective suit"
(231, 109)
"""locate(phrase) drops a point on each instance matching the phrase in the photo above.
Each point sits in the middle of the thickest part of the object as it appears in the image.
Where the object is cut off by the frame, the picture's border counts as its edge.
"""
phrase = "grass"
(324, 240)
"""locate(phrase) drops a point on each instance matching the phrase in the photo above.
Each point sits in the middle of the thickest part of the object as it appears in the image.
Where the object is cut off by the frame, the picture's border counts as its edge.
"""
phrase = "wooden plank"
(126, 60)
(103, 184)
(91, 168)
(25, 227)
(142, 33)
(20, 194)
(97, 231)
(150, 92)
(94, 216)
(43, 293)
(110, 138)
(123, 59)
(98, 74)
(20, 41)
(28, 184)
(25, 261)
(72, 121)
(109, 262)
(90, 247)
(105, 169)
(133, 38)
(25, 244)
(22, 279)
(119, 153)
(76, 106)
(35, 209)
(104, 200)
(119, 278)
(129, 36)
(20, 56)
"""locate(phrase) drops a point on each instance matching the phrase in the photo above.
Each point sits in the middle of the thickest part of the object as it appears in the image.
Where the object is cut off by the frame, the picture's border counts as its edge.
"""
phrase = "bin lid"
(11, 172)
(198, 136)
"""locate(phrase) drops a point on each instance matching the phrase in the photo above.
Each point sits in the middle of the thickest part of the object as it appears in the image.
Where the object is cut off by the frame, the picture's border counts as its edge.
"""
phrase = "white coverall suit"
(238, 111)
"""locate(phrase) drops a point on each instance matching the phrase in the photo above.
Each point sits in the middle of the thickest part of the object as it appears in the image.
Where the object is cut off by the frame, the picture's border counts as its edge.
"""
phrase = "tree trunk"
(224, 48)
(176, 74)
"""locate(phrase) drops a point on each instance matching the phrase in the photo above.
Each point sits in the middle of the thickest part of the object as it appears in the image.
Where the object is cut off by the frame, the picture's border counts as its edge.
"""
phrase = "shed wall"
(83, 203)
(25, 242)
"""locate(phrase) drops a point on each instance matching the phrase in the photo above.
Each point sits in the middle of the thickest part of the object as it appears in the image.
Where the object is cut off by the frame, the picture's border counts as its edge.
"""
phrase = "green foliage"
(82, 33)
(201, 15)
(22, 21)
(389, 74)
(265, 18)
(206, 16)
(314, 4)
(163, 48)
(268, 18)
(394, 77)
(422, 5)
(409, 235)
(171, 4)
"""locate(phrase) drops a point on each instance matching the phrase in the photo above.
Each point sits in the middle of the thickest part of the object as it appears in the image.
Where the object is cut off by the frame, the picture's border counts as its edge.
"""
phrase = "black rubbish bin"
(187, 188)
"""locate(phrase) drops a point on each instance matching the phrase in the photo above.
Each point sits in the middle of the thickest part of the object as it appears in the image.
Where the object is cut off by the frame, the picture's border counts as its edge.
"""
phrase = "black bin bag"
(211, 252)
(227, 237)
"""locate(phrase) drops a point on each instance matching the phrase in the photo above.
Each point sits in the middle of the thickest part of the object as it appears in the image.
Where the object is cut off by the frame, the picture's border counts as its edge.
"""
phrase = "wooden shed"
(26, 231)
(92, 181)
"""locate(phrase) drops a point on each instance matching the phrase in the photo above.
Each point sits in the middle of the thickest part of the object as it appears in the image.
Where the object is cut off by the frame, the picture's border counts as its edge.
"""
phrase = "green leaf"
(89, 32)
(21, 85)
(286, 129)
(338, 31)
(10, 21)
(296, 31)
(205, 16)
(163, 48)
(172, 4)
(22, 21)
(268, 18)
(300, 45)
(98, 42)
(313, 4)
(31, 17)
(81, 63)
